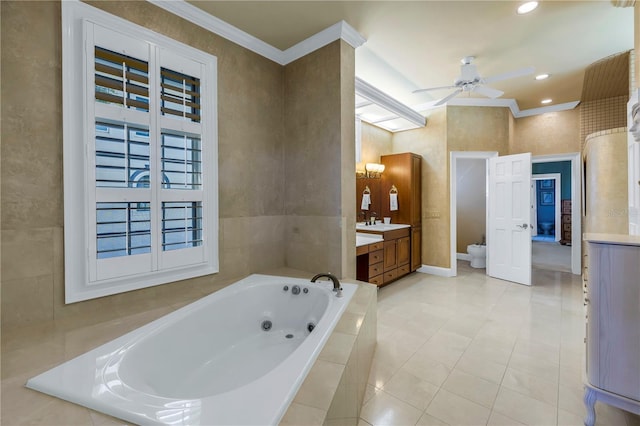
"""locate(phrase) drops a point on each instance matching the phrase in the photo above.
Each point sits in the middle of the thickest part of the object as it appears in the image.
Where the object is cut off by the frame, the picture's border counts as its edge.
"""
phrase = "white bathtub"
(210, 362)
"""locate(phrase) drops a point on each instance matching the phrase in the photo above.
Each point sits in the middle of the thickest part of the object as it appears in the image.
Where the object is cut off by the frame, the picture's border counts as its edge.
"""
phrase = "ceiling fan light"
(542, 76)
(546, 101)
(527, 7)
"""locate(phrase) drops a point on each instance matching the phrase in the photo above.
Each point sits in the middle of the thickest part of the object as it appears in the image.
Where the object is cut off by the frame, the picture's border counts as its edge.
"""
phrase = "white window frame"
(79, 160)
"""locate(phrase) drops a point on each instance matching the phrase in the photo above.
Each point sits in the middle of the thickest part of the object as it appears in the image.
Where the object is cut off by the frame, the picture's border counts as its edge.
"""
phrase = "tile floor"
(473, 350)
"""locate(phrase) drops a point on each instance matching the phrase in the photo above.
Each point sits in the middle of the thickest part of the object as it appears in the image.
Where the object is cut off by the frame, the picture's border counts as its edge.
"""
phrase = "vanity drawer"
(404, 270)
(566, 227)
(390, 275)
(376, 246)
(377, 280)
(376, 269)
(375, 257)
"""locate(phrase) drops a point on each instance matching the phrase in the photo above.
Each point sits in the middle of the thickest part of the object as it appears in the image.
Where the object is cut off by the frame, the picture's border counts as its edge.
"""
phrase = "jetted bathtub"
(237, 356)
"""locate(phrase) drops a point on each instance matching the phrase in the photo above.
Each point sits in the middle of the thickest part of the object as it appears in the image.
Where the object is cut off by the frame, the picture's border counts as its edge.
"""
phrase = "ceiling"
(418, 44)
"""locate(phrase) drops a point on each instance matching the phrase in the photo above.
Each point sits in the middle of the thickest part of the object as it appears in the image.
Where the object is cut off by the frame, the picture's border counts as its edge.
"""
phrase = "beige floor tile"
(482, 368)
(570, 399)
(385, 409)
(429, 420)
(545, 370)
(609, 415)
(524, 409)
(566, 418)
(497, 419)
(411, 389)
(362, 422)
(456, 410)
(550, 353)
(427, 369)
(530, 385)
(473, 388)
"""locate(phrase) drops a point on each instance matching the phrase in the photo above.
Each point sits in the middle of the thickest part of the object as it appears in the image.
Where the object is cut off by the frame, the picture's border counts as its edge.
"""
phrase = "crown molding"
(504, 103)
(550, 108)
(340, 30)
(373, 94)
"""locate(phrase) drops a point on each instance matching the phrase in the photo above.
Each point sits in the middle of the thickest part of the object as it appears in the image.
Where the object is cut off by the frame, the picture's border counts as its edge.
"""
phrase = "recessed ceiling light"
(546, 101)
(542, 76)
(527, 7)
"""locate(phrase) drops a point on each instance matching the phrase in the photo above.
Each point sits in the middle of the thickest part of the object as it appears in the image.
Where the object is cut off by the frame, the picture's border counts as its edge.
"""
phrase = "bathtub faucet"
(336, 282)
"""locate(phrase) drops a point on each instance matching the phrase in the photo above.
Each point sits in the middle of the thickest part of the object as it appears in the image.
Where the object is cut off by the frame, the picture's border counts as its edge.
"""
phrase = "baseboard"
(435, 270)
(463, 256)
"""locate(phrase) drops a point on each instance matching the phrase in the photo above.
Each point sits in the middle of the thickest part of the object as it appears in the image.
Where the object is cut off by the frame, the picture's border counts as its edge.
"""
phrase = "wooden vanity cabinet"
(404, 171)
(369, 263)
(392, 261)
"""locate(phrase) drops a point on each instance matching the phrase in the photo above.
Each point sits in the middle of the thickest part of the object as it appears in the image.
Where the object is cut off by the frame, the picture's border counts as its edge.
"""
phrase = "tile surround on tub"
(31, 349)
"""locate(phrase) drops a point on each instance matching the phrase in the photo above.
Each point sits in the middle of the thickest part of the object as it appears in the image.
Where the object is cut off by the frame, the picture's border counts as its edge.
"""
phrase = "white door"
(534, 209)
(509, 218)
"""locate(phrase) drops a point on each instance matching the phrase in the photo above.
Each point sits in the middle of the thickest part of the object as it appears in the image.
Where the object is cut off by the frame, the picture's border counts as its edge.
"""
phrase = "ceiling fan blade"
(433, 88)
(446, 98)
(511, 74)
(488, 91)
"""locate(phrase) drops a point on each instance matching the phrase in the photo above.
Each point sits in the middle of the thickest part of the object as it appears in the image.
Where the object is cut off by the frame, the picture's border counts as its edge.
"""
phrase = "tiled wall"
(602, 114)
(251, 147)
(320, 160)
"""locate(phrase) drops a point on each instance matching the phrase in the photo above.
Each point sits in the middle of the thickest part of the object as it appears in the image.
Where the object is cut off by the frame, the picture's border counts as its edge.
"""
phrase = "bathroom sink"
(380, 227)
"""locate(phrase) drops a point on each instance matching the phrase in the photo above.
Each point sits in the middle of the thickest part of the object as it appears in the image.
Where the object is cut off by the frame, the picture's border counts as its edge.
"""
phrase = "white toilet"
(478, 253)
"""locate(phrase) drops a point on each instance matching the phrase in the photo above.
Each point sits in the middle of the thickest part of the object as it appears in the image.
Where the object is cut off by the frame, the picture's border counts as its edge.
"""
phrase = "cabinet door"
(403, 248)
(390, 255)
(416, 248)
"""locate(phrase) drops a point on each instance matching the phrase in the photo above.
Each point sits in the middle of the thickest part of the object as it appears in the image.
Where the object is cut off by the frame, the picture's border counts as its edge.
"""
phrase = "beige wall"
(478, 129)
(431, 143)
(320, 139)
(375, 143)
(549, 133)
(252, 147)
(606, 202)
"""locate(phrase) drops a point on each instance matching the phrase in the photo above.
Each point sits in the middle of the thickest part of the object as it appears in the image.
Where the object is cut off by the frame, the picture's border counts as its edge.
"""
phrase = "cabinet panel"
(377, 280)
(416, 248)
(403, 249)
(390, 255)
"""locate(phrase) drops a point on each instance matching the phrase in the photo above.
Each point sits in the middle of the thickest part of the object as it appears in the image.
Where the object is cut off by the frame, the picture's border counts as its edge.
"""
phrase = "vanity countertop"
(380, 227)
(364, 239)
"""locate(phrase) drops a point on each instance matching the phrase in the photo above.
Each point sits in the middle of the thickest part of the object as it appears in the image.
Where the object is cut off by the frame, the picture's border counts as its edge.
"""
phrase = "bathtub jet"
(250, 344)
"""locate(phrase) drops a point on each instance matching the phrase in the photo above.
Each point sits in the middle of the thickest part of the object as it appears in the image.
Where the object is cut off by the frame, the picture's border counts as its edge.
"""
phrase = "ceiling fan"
(470, 81)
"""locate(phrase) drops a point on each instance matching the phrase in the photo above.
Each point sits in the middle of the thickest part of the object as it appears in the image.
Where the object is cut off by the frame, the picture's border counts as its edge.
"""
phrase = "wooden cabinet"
(390, 260)
(369, 263)
(612, 298)
(565, 232)
(404, 172)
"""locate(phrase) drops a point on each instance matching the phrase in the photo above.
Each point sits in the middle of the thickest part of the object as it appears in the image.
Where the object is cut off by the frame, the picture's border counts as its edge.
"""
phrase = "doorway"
(546, 204)
(575, 196)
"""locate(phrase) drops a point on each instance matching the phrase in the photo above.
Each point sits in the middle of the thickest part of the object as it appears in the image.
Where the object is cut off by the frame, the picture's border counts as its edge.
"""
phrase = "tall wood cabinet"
(404, 172)
(612, 298)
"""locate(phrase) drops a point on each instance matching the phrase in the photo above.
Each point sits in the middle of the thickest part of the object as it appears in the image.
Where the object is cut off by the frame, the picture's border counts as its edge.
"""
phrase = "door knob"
(523, 226)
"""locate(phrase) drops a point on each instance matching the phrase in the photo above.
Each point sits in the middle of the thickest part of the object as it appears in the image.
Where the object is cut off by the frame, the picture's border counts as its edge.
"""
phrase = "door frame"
(557, 178)
(576, 203)
(453, 227)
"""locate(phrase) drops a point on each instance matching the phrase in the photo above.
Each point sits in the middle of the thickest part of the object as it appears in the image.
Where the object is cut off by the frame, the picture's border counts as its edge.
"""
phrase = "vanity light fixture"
(371, 170)
(542, 76)
(546, 101)
(527, 7)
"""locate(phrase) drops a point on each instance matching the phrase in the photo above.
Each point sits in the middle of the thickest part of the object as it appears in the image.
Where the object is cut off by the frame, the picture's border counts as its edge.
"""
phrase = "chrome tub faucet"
(336, 282)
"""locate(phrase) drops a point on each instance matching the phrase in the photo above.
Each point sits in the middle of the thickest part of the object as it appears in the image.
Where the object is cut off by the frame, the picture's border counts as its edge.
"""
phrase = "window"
(140, 156)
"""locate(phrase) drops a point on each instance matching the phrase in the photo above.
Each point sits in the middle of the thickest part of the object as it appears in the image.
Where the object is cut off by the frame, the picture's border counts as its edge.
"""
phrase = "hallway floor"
(551, 255)
(473, 350)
